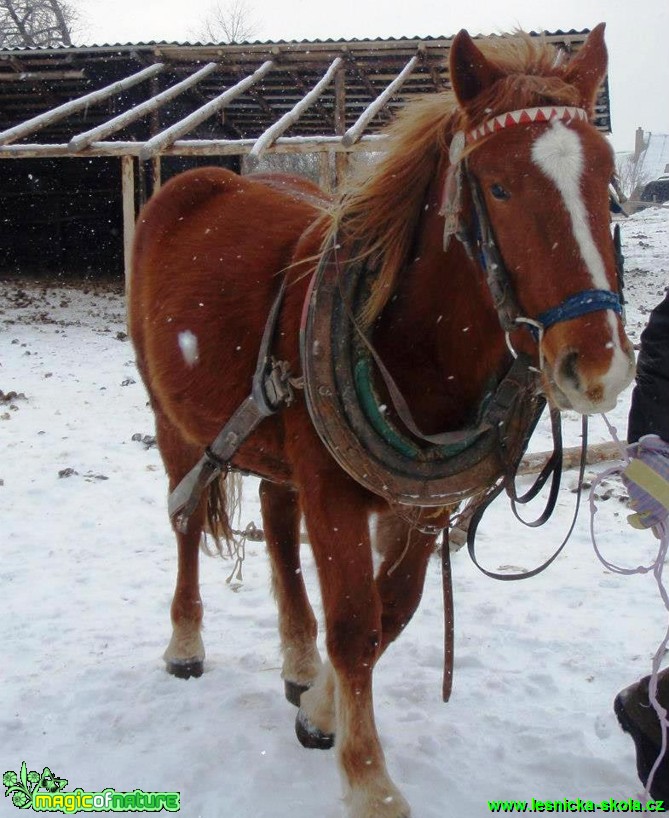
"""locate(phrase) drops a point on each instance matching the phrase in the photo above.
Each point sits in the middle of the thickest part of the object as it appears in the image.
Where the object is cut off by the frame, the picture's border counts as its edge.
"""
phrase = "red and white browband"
(526, 116)
(451, 198)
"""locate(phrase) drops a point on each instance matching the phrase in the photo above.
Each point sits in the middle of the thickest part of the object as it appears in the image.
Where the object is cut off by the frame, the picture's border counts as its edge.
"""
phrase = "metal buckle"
(539, 336)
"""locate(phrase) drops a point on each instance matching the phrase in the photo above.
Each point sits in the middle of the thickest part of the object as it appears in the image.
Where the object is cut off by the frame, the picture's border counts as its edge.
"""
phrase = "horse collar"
(338, 366)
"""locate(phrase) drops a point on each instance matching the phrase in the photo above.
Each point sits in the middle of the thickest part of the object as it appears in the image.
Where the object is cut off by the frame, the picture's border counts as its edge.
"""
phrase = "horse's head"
(536, 174)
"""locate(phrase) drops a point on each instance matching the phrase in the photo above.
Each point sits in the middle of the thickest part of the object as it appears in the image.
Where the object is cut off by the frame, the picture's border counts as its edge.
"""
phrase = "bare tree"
(230, 22)
(36, 23)
(631, 175)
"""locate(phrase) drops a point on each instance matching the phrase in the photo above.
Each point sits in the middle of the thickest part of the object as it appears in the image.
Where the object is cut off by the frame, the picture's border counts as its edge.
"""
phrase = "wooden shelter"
(111, 121)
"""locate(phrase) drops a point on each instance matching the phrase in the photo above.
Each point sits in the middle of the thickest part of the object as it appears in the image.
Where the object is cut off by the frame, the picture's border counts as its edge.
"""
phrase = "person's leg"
(638, 718)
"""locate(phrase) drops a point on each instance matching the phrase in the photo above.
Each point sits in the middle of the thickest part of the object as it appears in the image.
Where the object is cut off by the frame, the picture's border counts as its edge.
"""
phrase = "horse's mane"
(380, 206)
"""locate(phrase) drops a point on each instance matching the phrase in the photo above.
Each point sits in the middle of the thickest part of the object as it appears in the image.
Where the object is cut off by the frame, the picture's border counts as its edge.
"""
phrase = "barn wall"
(64, 216)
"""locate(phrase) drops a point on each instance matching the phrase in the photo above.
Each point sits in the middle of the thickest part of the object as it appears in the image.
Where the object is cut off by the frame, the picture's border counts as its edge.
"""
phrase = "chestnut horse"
(212, 249)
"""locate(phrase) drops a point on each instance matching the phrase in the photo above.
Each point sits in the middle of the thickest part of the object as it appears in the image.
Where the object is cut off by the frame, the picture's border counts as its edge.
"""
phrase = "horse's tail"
(223, 505)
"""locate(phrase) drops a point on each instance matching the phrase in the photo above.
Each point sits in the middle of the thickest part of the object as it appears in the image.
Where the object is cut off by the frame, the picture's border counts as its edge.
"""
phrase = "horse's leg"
(297, 624)
(336, 513)
(399, 580)
(401, 576)
(184, 656)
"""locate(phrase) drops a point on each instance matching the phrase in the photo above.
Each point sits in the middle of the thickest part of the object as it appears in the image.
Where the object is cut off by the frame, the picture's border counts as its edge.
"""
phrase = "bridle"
(478, 238)
(479, 241)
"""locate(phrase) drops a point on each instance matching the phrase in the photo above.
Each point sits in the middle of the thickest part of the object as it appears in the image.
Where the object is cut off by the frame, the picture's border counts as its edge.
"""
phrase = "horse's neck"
(439, 334)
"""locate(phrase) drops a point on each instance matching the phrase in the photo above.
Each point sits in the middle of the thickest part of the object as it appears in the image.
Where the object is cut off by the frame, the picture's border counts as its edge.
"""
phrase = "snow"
(188, 346)
(87, 572)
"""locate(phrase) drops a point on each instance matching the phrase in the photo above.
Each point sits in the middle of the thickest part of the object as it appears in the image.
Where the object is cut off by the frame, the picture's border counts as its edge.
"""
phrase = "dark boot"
(638, 718)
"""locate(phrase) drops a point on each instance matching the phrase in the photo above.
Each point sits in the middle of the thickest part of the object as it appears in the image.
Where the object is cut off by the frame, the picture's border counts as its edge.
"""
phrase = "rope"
(251, 532)
(656, 567)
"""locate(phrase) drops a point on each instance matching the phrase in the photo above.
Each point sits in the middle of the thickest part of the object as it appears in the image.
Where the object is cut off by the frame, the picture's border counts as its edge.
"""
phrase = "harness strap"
(449, 623)
(478, 514)
(580, 304)
(270, 391)
(552, 469)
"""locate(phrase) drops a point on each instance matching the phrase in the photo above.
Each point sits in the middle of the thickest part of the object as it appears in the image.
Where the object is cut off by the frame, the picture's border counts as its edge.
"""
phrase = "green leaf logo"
(50, 783)
(9, 778)
(21, 799)
(23, 785)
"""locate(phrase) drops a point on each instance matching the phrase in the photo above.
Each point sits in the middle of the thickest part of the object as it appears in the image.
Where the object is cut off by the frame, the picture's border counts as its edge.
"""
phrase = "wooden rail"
(356, 130)
(74, 105)
(169, 136)
(85, 138)
(597, 453)
(266, 139)
(530, 464)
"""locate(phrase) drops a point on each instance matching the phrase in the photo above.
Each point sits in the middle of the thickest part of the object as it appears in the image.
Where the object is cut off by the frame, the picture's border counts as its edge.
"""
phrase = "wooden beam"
(372, 91)
(128, 194)
(27, 76)
(195, 147)
(122, 120)
(157, 174)
(74, 105)
(266, 139)
(167, 137)
(597, 453)
(324, 172)
(340, 159)
(355, 131)
(318, 109)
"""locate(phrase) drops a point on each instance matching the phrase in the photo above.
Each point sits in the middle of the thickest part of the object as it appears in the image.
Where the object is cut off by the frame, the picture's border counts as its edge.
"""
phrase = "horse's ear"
(471, 73)
(588, 68)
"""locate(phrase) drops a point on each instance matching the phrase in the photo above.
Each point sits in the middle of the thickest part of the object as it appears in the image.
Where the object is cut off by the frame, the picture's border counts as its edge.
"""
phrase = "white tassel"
(451, 203)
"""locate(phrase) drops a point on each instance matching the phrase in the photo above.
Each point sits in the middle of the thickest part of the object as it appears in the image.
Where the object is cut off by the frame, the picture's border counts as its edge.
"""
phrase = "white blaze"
(558, 152)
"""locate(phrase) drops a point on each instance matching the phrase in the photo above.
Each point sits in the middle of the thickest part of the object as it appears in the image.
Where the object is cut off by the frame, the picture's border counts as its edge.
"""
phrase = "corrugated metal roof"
(269, 43)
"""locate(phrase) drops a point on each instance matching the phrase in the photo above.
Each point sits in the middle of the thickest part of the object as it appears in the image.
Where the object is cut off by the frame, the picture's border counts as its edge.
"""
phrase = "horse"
(514, 139)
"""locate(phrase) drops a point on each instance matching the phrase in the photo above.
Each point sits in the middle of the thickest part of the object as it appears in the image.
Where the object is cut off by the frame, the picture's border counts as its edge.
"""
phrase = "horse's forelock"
(534, 75)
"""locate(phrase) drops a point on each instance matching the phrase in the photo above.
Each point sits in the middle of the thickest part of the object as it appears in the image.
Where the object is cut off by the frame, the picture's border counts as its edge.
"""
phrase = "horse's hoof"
(294, 691)
(185, 668)
(310, 736)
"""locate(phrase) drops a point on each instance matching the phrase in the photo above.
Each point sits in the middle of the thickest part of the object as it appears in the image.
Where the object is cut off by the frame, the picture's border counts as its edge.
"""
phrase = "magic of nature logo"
(45, 792)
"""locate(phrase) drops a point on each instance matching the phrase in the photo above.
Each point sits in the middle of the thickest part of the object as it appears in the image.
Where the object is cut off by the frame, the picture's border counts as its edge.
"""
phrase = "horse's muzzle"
(575, 382)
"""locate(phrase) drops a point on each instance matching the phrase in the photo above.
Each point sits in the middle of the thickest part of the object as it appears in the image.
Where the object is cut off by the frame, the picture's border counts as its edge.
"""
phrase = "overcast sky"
(637, 34)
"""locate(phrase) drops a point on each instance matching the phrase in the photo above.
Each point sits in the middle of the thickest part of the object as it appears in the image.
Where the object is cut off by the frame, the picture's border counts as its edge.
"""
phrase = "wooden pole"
(157, 174)
(324, 172)
(597, 453)
(356, 131)
(341, 159)
(158, 143)
(267, 139)
(194, 147)
(449, 618)
(128, 195)
(121, 121)
(74, 105)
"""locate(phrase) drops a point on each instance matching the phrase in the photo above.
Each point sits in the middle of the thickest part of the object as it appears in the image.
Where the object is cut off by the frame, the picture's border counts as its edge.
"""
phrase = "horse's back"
(209, 248)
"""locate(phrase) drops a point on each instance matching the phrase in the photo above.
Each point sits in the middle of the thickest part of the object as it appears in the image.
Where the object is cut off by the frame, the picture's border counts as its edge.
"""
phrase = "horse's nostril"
(568, 368)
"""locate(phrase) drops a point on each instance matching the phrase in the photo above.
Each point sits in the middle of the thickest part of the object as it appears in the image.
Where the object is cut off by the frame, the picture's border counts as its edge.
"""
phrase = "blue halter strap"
(510, 315)
(581, 304)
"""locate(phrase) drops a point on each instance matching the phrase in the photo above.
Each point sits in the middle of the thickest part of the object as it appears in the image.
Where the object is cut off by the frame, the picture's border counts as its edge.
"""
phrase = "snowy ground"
(86, 577)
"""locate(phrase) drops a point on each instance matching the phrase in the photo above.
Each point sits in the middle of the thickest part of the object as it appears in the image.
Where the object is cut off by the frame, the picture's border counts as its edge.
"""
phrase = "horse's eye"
(500, 193)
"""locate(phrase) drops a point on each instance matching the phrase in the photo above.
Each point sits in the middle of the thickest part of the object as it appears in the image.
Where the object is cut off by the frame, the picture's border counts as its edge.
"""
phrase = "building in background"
(644, 173)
